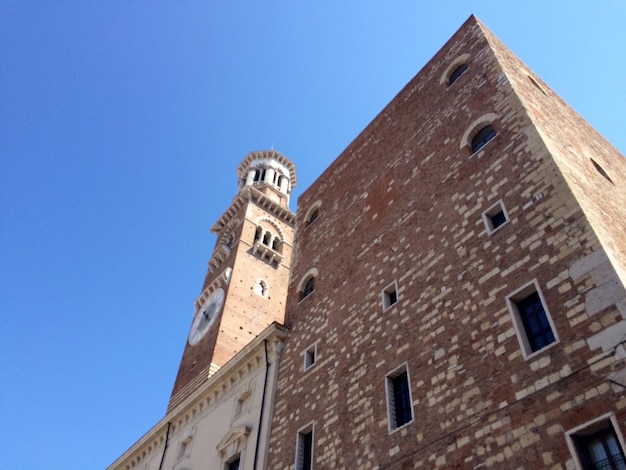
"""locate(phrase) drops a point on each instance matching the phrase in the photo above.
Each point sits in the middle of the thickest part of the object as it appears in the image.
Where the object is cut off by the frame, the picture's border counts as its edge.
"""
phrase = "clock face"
(205, 316)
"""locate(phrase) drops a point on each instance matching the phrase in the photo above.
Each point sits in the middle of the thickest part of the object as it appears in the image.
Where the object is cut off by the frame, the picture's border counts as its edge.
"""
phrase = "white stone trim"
(490, 212)
(306, 354)
(391, 427)
(476, 126)
(593, 425)
(310, 427)
(445, 76)
(385, 299)
(524, 291)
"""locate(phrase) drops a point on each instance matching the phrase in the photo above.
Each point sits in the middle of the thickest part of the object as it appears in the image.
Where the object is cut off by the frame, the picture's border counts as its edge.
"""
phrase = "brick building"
(455, 292)
(457, 288)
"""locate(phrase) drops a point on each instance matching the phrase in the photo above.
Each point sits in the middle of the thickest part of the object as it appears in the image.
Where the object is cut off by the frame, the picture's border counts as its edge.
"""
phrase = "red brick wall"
(403, 203)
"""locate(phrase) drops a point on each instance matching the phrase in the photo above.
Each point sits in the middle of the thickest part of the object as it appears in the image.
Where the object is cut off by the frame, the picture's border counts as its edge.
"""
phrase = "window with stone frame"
(304, 448)
(390, 295)
(481, 138)
(456, 73)
(399, 404)
(310, 356)
(531, 319)
(597, 444)
(184, 449)
(495, 217)
(308, 288)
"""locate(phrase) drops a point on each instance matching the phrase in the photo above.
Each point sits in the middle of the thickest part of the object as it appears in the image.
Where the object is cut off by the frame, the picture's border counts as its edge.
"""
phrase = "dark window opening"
(497, 219)
(305, 450)
(400, 411)
(259, 175)
(535, 321)
(600, 170)
(257, 234)
(312, 217)
(454, 76)
(482, 137)
(266, 238)
(600, 450)
(309, 358)
(233, 465)
(309, 287)
(390, 296)
(539, 87)
(275, 244)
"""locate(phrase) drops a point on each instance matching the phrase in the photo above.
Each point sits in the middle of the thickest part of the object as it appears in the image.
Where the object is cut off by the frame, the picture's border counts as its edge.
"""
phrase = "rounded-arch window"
(275, 244)
(259, 175)
(313, 213)
(482, 137)
(307, 283)
(268, 237)
(312, 216)
(602, 171)
(456, 74)
(539, 87)
(260, 288)
(308, 287)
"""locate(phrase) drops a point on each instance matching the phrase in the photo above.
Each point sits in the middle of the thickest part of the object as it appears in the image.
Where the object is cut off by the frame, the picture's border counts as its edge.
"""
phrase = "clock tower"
(245, 287)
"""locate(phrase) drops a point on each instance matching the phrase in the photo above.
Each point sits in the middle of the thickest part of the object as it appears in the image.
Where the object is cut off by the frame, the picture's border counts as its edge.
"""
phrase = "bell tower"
(245, 287)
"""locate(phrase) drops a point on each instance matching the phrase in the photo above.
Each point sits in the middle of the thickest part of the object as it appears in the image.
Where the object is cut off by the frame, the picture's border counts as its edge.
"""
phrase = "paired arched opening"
(268, 235)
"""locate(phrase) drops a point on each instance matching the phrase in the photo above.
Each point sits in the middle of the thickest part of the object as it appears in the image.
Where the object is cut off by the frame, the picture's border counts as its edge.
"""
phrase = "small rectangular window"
(390, 295)
(243, 404)
(399, 407)
(597, 445)
(310, 356)
(304, 448)
(184, 449)
(495, 217)
(531, 319)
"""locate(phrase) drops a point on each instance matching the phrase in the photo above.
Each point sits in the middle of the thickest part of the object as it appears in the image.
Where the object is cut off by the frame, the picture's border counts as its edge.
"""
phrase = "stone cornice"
(269, 155)
(247, 194)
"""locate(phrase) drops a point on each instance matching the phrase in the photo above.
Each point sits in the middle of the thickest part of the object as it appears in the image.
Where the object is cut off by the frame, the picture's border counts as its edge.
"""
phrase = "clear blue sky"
(121, 127)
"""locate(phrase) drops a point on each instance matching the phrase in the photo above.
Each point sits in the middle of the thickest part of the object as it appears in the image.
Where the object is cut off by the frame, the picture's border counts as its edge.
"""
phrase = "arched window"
(257, 234)
(460, 70)
(312, 216)
(482, 137)
(260, 288)
(276, 244)
(259, 175)
(267, 238)
(312, 213)
(601, 170)
(309, 287)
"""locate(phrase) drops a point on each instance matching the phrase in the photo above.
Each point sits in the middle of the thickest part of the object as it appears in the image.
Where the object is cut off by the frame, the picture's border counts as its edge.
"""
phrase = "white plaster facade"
(226, 419)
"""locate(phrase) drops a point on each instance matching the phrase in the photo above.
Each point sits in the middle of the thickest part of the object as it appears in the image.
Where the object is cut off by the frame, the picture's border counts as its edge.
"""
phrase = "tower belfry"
(246, 283)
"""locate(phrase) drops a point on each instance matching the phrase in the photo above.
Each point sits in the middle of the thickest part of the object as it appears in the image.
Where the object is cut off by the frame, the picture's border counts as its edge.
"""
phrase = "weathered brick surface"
(403, 203)
(245, 314)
